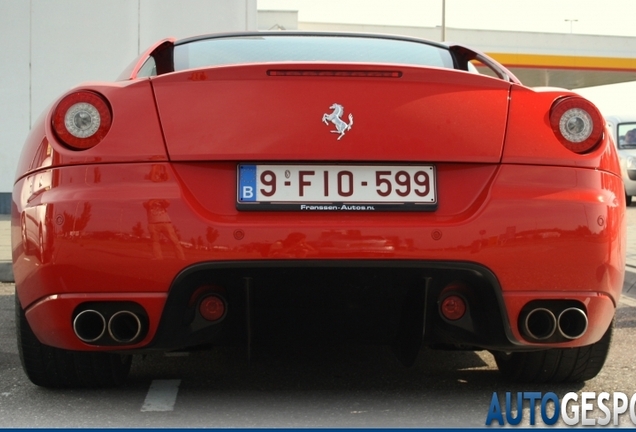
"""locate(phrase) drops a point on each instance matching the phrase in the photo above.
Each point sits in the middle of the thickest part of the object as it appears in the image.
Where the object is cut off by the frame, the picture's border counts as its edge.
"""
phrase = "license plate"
(336, 187)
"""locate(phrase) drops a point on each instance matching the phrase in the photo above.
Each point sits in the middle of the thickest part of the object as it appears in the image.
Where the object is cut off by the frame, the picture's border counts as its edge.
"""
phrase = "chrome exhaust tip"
(89, 325)
(572, 323)
(124, 327)
(540, 324)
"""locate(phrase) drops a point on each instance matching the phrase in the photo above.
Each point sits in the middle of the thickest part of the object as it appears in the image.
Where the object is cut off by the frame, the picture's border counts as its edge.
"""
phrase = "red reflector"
(336, 73)
(212, 308)
(453, 307)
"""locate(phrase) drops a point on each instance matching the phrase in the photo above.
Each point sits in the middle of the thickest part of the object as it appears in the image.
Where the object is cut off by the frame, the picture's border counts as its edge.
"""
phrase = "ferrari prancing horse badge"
(341, 125)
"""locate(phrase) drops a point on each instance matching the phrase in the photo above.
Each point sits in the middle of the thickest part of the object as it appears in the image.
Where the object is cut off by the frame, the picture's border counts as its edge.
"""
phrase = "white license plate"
(336, 187)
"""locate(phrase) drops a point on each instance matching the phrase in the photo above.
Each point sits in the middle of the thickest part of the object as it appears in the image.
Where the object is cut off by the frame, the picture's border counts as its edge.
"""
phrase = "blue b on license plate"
(336, 187)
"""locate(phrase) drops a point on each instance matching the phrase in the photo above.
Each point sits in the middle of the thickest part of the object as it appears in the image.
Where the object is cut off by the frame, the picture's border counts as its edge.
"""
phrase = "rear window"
(272, 49)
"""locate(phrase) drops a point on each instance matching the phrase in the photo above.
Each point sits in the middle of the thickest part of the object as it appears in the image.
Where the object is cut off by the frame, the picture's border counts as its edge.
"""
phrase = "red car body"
(138, 242)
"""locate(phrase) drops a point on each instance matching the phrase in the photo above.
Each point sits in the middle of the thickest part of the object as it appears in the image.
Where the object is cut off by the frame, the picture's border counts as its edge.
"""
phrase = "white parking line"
(161, 396)
(628, 301)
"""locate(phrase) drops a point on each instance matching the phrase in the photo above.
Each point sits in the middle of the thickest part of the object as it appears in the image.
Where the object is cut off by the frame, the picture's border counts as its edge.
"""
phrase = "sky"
(595, 17)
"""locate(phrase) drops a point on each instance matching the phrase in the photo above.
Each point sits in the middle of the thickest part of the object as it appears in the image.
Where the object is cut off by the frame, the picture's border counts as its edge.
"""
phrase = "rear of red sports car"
(236, 189)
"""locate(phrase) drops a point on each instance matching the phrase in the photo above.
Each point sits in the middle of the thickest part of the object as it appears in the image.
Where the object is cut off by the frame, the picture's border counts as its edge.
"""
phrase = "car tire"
(628, 200)
(47, 366)
(556, 365)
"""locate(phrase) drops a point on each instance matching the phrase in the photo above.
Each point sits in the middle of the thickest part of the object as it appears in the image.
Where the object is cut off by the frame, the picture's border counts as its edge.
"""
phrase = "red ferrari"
(316, 188)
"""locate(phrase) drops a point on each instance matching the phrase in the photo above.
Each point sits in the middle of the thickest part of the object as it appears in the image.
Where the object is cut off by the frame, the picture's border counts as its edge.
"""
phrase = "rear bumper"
(117, 233)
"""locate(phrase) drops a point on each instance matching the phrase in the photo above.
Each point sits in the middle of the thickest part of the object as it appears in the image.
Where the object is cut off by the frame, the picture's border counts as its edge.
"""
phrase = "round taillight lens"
(82, 119)
(576, 123)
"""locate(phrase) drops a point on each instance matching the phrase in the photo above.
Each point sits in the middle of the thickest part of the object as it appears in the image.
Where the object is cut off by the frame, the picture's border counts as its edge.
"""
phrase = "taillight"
(82, 119)
(576, 123)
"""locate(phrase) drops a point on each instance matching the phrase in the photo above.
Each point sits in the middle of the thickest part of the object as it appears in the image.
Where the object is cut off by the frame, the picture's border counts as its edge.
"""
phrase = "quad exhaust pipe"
(123, 326)
(572, 323)
(89, 325)
(541, 324)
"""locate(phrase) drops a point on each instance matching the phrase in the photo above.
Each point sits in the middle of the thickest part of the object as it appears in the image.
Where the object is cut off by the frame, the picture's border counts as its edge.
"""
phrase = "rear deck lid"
(225, 108)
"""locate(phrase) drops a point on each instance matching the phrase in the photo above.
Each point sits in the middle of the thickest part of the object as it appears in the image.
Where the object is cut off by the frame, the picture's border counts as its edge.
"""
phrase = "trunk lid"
(285, 112)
